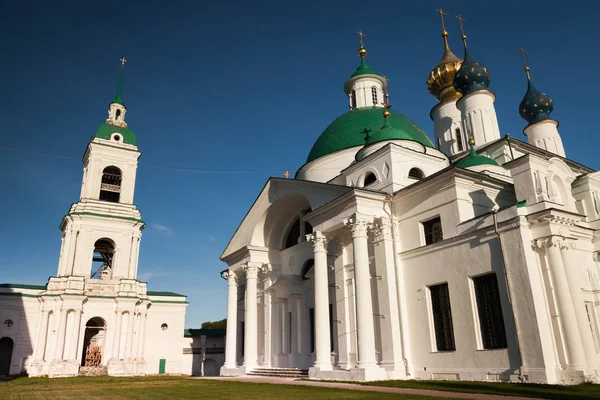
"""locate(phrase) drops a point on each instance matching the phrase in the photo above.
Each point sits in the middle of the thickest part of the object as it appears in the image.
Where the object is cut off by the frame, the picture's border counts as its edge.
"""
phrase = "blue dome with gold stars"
(471, 76)
(536, 106)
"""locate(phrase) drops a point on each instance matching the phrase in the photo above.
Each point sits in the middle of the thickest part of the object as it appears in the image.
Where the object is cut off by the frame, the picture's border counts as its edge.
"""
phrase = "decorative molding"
(358, 224)
(232, 277)
(382, 229)
(252, 269)
(553, 241)
(318, 240)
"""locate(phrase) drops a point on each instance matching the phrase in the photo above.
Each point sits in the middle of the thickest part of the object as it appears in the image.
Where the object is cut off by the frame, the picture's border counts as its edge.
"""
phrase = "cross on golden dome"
(462, 28)
(362, 35)
(442, 13)
(123, 61)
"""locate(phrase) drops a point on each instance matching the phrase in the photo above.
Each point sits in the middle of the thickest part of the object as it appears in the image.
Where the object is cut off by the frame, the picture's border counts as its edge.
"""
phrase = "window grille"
(442, 317)
(491, 322)
(433, 230)
(374, 95)
(459, 142)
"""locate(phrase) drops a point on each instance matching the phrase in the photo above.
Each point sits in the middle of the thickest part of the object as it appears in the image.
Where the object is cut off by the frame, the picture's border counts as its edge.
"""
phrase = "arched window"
(459, 142)
(93, 342)
(353, 99)
(117, 115)
(102, 260)
(370, 179)
(374, 95)
(110, 188)
(416, 173)
(296, 234)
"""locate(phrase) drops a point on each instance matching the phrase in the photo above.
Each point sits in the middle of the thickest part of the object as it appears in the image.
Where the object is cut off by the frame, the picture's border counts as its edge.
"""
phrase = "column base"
(140, 367)
(38, 368)
(63, 368)
(232, 371)
(121, 367)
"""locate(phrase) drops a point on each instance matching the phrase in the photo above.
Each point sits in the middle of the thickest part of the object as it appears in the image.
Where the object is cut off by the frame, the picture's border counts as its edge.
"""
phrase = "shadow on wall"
(16, 347)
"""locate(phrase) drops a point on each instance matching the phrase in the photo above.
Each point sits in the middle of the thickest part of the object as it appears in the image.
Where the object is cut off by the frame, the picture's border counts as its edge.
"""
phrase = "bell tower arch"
(102, 231)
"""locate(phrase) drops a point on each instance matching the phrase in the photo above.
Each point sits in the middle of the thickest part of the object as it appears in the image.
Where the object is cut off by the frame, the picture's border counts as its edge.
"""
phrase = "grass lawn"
(171, 388)
(586, 391)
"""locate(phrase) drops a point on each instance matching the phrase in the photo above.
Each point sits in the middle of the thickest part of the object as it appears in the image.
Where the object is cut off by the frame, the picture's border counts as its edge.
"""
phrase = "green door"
(162, 363)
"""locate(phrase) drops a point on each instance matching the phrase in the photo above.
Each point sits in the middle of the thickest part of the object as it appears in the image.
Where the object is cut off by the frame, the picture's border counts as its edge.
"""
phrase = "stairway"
(280, 372)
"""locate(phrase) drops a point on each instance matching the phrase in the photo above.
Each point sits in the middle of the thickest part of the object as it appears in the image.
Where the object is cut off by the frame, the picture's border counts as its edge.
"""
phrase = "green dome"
(474, 159)
(363, 69)
(352, 128)
(106, 130)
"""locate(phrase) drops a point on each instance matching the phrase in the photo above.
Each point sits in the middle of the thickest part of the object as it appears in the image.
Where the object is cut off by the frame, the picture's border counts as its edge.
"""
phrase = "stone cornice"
(554, 216)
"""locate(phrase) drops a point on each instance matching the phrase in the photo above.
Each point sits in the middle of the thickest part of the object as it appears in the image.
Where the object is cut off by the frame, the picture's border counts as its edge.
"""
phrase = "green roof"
(170, 294)
(363, 69)
(106, 130)
(351, 129)
(474, 159)
(118, 98)
(19, 286)
(204, 332)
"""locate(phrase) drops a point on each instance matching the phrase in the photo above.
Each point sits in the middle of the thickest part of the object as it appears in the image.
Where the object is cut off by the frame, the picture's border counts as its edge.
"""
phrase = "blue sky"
(238, 85)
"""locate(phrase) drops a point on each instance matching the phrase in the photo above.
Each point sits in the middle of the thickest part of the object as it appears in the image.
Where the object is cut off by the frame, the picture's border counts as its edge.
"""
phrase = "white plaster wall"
(165, 344)
(544, 134)
(327, 167)
(479, 116)
(102, 153)
(362, 86)
(24, 312)
(446, 119)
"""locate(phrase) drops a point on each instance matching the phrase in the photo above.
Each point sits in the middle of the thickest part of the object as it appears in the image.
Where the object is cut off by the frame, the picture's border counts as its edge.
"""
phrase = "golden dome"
(441, 78)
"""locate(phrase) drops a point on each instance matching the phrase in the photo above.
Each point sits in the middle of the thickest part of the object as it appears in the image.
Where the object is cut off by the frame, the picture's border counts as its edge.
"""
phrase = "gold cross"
(123, 61)
(522, 50)
(361, 34)
(287, 174)
(442, 13)
(462, 29)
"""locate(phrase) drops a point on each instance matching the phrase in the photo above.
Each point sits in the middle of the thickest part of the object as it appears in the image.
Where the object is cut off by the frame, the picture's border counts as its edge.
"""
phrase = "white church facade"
(95, 316)
(390, 256)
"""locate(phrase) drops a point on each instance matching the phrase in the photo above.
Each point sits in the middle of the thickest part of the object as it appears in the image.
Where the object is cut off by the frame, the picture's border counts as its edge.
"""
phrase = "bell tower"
(102, 231)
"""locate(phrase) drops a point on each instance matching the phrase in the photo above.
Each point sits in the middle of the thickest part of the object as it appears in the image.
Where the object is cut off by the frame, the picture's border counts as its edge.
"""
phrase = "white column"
(566, 311)
(60, 337)
(544, 134)
(268, 309)
(364, 301)
(322, 345)
(296, 324)
(230, 337)
(446, 121)
(129, 340)
(40, 341)
(571, 270)
(251, 321)
(117, 334)
(137, 320)
(72, 353)
(142, 335)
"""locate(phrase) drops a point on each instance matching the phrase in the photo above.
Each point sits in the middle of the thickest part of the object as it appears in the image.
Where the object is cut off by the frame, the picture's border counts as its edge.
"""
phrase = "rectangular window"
(489, 310)
(591, 316)
(459, 142)
(243, 331)
(433, 230)
(442, 317)
(331, 327)
(289, 341)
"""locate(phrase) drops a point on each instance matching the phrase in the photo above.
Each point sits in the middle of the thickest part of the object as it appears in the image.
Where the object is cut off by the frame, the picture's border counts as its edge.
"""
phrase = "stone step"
(93, 371)
(280, 372)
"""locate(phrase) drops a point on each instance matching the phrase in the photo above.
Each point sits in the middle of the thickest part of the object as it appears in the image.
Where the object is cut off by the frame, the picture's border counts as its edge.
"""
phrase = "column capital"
(231, 276)
(318, 240)
(382, 229)
(358, 224)
(553, 241)
(252, 269)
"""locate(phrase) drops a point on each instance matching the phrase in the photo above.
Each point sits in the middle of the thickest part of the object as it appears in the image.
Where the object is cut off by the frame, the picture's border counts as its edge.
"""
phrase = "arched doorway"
(93, 342)
(210, 367)
(6, 350)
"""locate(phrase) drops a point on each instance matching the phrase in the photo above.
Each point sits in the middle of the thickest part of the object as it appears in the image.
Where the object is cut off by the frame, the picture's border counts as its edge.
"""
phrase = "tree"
(222, 324)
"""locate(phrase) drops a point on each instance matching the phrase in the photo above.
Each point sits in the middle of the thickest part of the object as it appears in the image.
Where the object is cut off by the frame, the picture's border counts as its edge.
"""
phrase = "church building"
(95, 317)
(391, 256)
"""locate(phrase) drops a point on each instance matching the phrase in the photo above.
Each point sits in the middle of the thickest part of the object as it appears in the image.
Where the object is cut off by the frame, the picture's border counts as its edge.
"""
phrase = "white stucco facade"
(398, 260)
(95, 317)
